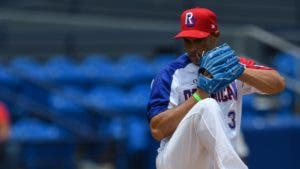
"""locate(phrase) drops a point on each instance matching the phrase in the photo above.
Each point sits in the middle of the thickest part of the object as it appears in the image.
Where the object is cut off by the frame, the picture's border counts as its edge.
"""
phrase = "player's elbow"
(156, 132)
(278, 86)
(281, 85)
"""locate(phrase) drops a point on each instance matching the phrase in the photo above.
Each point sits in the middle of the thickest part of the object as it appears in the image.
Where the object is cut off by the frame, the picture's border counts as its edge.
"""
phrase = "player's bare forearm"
(266, 81)
(165, 123)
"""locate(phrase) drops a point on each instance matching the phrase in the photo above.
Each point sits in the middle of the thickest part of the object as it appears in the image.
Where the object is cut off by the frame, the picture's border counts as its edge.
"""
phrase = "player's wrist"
(244, 75)
(201, 93)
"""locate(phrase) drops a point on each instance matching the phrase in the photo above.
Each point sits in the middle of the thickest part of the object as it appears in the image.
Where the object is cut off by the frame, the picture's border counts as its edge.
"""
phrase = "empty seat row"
(128, 130)
(287, 64)
(107, 100)
(125, 71)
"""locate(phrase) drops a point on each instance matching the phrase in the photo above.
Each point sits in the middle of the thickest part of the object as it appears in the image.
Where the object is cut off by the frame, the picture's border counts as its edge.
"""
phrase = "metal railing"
(279, 43)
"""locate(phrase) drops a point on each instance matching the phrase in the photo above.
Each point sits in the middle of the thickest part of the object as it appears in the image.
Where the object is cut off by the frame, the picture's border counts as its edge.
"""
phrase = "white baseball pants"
(200, 142)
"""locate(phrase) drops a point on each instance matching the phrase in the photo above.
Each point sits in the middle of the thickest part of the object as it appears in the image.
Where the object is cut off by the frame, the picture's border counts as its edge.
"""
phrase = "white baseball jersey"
(178, 81)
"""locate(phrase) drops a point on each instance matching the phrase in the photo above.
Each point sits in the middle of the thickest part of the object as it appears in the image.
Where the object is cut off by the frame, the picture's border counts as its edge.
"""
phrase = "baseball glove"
(218, 68)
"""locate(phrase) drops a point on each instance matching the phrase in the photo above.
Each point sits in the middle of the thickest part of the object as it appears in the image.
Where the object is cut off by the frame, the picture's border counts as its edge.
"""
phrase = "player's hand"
(218, 68)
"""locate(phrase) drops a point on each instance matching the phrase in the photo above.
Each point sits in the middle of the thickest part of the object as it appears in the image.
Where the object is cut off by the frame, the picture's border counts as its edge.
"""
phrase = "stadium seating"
(287, 102)
(286, 64)
(49, 156)
(107, 99)
(162, 60)
(66, 106)
(139, 95)
(131, 69)
(45, 146)
(95, 68)
(7, 79)
(27, 68)
(39, 131)
(62, 70)
(137, 133)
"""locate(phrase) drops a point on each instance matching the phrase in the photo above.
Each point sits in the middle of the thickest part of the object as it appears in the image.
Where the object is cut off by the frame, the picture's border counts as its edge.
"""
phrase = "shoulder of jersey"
(177, 63)
(249, 63)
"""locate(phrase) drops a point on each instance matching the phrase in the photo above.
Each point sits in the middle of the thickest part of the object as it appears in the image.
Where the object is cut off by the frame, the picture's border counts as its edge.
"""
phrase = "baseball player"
(196, 101)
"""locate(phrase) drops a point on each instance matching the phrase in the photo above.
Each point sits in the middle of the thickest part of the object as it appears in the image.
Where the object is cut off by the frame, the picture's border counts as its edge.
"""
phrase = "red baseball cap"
(197, 23)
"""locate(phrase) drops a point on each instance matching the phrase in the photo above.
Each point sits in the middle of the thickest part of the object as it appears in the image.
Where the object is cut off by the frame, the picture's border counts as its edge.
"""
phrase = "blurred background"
(75, 79)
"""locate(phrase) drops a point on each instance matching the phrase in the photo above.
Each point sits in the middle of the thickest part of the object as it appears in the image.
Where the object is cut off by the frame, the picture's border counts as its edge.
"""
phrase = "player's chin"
(194, 59)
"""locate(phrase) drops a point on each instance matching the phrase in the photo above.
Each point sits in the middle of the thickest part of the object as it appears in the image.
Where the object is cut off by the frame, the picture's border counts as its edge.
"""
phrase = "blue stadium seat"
(253, 123)
(67, 104)
(27, 67)
(139, 96)
(62, 70)
(31, 73)
(96, 68)
(45, 146)
(131, 69)
(287, 102)
(58, 155)
(22, 62)
(116, 128)
(285, 63)
(108, 100)
(7, 79)
(64, 104)
(162, 60)
(248, 105)
(137, 132)
(33, 130)
(136, 143)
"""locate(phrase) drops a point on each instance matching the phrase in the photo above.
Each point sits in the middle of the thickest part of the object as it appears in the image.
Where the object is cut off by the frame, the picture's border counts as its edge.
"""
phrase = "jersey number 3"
(231, 122)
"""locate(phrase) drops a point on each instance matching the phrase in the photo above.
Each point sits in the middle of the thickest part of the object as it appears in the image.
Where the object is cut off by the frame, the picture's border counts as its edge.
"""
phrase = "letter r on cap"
(189, 19)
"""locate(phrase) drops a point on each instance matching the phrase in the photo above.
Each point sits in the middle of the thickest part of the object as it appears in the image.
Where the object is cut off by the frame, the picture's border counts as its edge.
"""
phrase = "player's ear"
(214, 37)
(216, 34)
